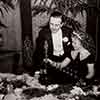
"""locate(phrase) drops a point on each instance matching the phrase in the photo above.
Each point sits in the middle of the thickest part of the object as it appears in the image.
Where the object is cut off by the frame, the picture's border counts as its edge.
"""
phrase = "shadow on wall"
(11, 34)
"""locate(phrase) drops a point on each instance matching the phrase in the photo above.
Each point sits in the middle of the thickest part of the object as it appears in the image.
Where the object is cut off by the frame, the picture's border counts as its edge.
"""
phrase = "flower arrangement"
(65, 39)
(26, 87)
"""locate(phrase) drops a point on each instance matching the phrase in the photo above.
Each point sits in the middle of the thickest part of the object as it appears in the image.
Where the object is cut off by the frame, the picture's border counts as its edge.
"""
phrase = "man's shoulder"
(44, 33)
(43, 30)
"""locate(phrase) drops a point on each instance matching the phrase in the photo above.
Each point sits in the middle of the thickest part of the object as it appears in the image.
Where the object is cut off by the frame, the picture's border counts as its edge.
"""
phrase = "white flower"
(95, 90)
(65, 39)
(18, 92)
(77, 91)
(51, 87)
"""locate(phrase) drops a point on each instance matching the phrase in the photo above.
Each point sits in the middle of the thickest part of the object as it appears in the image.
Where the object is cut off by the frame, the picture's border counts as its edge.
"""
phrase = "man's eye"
(57, 25)
(54, 24)
(51, 24)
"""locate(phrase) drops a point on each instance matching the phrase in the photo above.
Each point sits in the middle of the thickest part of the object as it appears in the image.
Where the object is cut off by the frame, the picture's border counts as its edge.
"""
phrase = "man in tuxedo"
(53, 48)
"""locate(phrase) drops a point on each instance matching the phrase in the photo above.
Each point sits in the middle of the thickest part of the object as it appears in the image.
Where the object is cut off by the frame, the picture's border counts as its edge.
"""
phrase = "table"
(26, 87)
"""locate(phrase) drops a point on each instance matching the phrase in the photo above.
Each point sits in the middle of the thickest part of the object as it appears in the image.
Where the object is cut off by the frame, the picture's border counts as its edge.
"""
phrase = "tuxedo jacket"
(45, 35)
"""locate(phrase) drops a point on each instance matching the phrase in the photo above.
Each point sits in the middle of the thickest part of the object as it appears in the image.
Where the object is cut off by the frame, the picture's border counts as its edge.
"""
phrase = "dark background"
(93, 27)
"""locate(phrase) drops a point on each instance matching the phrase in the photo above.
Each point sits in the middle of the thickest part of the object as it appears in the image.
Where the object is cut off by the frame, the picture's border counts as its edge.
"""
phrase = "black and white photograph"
(49, 50)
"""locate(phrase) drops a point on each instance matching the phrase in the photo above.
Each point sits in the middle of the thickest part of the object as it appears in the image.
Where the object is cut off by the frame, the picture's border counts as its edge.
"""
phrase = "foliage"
(74, 6)
(5, 5)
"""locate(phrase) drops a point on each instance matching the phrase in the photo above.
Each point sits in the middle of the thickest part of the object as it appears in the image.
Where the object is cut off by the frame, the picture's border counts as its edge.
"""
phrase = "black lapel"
(64, 35)
(50, 43)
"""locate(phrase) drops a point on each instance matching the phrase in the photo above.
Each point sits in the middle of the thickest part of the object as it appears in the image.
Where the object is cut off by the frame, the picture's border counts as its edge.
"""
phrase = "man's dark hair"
(58, 14)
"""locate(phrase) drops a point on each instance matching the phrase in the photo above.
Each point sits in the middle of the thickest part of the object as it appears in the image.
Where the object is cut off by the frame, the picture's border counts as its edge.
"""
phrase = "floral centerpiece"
(26, 87)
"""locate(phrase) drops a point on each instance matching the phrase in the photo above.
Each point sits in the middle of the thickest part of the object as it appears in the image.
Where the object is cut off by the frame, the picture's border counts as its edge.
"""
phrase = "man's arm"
(39, 52)
(58, 65)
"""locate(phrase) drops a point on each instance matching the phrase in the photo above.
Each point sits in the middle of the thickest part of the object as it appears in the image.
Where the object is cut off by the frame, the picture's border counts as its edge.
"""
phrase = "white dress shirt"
(57, 43)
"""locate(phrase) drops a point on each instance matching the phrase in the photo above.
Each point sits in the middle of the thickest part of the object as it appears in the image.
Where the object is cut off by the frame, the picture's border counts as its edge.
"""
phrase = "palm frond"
(1, 11)
(5, 6)
(2, 25)
(8, 3)
(74, 6)
(39, 9)
(75, 25)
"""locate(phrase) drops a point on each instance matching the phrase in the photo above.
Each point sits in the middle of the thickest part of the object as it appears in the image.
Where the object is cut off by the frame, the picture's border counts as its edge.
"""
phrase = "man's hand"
(47, 60)
(52, 63)
(58, 65)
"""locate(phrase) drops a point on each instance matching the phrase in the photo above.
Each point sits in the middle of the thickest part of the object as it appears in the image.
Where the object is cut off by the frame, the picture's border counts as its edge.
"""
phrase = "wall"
(12, 39)
(12, 34)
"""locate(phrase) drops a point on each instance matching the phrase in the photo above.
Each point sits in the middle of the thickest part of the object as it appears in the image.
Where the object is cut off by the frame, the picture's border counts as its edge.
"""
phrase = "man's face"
(55, 24)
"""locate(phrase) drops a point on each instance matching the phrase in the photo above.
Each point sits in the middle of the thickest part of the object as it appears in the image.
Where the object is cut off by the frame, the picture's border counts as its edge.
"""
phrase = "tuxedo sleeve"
(39, 51)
